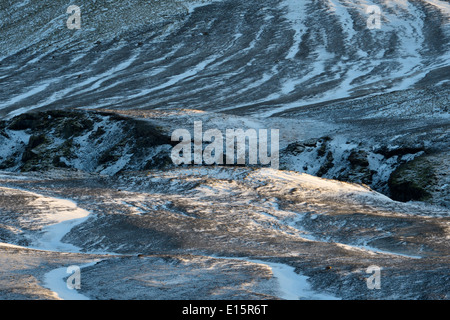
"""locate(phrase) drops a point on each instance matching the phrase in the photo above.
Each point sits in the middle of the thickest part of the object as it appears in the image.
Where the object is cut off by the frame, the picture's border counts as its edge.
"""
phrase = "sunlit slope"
(213, 225)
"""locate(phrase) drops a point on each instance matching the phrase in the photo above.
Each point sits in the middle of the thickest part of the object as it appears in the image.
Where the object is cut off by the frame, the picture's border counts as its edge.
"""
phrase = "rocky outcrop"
(411, 180)
(425, 178)
(88, 141)
(404, 173)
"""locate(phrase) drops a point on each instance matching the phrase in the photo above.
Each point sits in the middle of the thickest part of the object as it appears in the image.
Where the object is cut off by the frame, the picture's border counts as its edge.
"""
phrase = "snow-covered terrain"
(256, 58)
(328, 231)
(87, 180)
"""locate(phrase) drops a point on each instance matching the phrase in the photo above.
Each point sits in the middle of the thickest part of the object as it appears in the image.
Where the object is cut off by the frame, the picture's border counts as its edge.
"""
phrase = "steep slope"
(249, 57)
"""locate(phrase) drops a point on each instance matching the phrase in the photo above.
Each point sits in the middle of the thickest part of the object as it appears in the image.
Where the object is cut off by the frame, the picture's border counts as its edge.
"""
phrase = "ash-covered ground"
(86, 177)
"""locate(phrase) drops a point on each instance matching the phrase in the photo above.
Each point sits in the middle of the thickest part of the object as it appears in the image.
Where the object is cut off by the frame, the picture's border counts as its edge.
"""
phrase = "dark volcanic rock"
(88, 141)
(412, 180)
(358, 158)
(24, 121)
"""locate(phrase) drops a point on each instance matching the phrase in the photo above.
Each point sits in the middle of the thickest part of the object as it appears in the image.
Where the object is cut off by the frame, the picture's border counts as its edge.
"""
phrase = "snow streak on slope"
(54, 280)
(276, 221)
(292, 286)
(54, 217)
(253, 57)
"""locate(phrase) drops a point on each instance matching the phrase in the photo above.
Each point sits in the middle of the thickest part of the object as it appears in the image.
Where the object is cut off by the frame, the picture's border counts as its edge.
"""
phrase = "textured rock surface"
(352, 104)
(88, 141)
